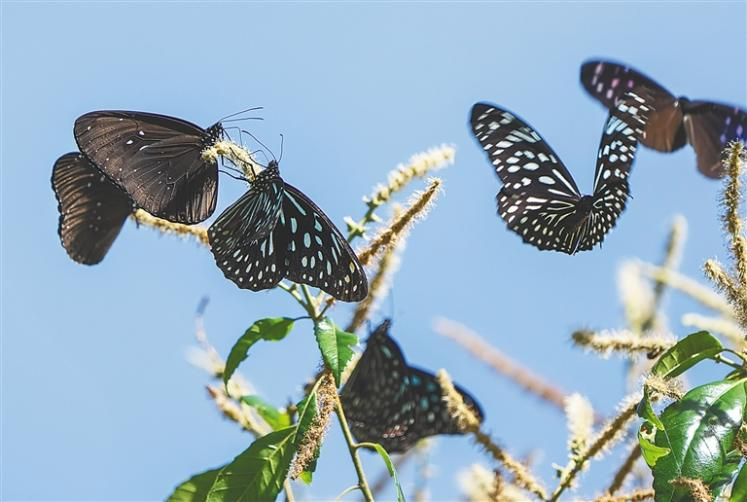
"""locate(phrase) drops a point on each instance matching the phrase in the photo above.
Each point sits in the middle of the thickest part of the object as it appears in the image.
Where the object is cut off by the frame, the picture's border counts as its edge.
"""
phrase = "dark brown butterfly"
(92, 208)
(706, 125)
(388, 402)
(158, 160)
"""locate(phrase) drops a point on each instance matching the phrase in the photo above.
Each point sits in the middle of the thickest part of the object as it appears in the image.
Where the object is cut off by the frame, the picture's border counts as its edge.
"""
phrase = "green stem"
(347, 490)
(352, 447)
(288, 491)
(721, 359)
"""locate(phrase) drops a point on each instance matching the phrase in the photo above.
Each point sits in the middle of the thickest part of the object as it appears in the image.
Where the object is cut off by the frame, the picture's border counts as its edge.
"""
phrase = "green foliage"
(196, 488)
(686, 353)
(272, 329)
(274, 417)
(335, 345)
(258, 473)
(650, 451)
(700, 430)
(389, 466)
(739, 490)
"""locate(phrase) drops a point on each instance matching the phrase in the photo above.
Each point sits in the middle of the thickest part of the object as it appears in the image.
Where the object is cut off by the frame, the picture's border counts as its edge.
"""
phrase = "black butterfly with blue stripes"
(706, 125)
(539, 199)
(388, 402)
(274, 231)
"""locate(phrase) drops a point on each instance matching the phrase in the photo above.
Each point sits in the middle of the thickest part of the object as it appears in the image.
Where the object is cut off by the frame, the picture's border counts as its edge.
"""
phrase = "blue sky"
(98, 401)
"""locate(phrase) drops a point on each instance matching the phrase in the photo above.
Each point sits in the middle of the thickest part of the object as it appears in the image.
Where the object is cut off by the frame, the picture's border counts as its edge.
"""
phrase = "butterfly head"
(214, 134)
(382, 329)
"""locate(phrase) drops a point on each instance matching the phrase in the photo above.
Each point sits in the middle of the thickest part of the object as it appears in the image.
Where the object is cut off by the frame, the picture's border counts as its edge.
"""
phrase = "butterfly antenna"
(262, 144)
(282, 140)
(239, 113)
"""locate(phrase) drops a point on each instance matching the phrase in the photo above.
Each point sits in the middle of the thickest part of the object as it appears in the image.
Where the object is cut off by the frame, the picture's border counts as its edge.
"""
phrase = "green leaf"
(273, 416)
(700, 432)
(390, 467)
(651, 452)
(307, 412)
(646, 411)
(686, 353)
(196, 488)
(739, 490)
(272, 329)
(258, 473)
(335, 346)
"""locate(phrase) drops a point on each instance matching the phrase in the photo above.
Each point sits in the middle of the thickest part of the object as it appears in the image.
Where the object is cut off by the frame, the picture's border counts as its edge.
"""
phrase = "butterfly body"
(158, 160)
(539, 199)
(274, 231)
(92, 208)
(676, 121)
(388, 402)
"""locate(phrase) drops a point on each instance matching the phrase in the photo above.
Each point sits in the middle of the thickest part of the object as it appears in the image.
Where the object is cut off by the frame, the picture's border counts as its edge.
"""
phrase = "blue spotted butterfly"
(539, 199)
(705, 125)
(388, 402)
(274, 231)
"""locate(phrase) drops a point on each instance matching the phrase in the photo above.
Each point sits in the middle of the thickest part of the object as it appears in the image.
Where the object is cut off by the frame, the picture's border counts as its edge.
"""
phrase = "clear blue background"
(98, 401)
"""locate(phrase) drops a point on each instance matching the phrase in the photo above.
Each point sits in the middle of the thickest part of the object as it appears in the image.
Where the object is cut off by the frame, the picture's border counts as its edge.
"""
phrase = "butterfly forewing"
(157, 159)
(92, 208)
(243, 241)
(710, 127)
(318, 254)
(608, 82)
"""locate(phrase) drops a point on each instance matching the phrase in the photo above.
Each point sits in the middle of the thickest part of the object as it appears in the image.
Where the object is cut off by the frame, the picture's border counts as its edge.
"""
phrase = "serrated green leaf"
(686, 353)
(258, 473)
(196, 488)
(273, 416)
(739, 490)
(700, 432)
(335, 345)
(651, 453)
(272, 329)
(390, 467)
(646, 411)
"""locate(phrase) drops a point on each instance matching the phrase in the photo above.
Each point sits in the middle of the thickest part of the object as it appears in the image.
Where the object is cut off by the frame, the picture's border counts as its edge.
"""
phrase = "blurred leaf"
(646, 411)
(196, 488)
(686, 353)
(272, 329)
(739, 490)
(651, 452)
(700, 432)
(273, 416)
(390, 467)
(335, 345)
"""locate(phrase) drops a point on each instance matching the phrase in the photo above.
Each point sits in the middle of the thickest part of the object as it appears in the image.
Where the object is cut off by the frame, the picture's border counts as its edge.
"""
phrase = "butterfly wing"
(317, 253)
(92, 208)
(710, 127)
(617, 150)
(539, 199)
(607, 82)
(377, 398)
(156, 159)
(433, 415)
(244, 240)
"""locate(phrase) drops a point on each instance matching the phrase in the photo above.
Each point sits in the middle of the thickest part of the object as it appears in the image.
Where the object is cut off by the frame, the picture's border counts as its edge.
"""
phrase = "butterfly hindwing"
(92, 208)
(157, 159)
(243, 241)
(318, 254)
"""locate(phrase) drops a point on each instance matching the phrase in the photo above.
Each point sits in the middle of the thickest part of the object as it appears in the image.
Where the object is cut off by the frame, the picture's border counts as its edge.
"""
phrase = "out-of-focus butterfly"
(539, 199)
(386, 401)
(274, 231)
(157, 160)
(92, 208)
(706, 125)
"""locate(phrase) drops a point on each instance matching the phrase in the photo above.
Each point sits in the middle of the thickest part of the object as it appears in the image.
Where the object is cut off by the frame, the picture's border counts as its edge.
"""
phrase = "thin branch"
(625, 468)
(500, 362)
(635, 496)
(168, 227)
(629, 343)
